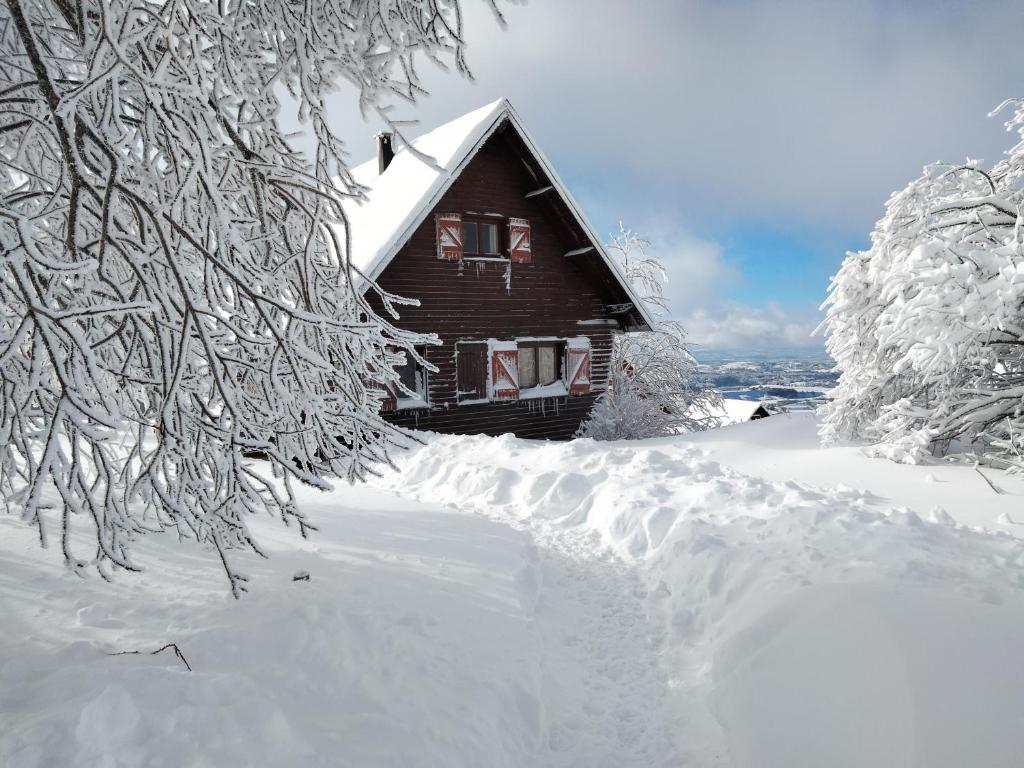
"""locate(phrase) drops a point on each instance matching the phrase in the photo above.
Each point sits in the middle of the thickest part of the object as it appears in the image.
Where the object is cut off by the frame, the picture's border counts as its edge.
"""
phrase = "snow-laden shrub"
(654, 385)
(927, 325)
(654, 389)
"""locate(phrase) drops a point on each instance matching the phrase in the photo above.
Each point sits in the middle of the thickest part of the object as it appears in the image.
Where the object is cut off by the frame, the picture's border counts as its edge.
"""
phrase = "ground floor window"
(527, 368)
(413, 377)
(540, 363)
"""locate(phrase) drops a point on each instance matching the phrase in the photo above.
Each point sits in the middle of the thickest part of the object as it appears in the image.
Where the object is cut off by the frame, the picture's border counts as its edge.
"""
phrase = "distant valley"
(782, 383)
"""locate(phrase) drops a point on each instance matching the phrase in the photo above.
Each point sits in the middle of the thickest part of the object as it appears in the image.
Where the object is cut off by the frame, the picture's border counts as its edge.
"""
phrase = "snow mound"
(542, 604)
(712, 534)
(782, 604)
(643, 499)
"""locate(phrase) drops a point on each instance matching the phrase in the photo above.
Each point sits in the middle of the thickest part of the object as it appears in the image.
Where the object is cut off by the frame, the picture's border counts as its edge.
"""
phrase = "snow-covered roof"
(398, 200)
(731, 411)
(739, 410)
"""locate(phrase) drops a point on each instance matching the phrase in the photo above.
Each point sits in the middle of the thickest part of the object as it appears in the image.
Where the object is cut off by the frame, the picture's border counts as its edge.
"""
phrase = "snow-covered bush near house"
(654, 384)
(586, 603)
(927, 326)
(174, 284)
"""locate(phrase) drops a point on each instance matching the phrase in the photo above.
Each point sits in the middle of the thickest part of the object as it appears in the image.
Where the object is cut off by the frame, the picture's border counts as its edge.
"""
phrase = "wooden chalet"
(508, 273)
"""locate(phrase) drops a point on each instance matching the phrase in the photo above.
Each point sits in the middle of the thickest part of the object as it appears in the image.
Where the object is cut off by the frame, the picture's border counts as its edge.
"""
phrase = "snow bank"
(546, 604)
(825, 626)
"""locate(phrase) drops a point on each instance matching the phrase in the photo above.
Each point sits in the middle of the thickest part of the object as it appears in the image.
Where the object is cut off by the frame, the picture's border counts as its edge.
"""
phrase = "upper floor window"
(481, 237)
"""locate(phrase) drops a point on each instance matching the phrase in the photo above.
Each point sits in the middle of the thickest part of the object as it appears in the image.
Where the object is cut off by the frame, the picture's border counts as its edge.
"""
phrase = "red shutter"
(387, 400)
(504, 371)
(577, 357)
(519, 241)
(389, 403)
(449, 236)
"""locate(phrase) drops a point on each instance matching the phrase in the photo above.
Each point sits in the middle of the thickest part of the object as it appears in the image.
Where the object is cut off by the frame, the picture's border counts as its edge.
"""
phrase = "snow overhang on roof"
(398, 200)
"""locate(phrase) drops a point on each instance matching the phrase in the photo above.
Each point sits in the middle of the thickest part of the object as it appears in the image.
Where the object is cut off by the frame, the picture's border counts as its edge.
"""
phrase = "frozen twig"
(172, 646)
(176, 290)
(990, 483)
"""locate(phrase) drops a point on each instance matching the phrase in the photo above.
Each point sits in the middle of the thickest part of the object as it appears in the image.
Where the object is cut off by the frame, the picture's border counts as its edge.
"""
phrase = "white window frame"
(559, 387)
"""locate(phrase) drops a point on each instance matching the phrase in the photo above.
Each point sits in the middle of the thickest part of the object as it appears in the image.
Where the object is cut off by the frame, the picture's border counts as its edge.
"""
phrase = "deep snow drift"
(501, 602)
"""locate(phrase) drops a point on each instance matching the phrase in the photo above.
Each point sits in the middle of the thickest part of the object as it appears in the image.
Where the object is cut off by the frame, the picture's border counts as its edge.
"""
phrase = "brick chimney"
(385, 152)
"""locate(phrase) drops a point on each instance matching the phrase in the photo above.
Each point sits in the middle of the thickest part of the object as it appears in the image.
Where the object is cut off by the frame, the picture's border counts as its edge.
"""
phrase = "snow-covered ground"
(739, 597)
(786, 447)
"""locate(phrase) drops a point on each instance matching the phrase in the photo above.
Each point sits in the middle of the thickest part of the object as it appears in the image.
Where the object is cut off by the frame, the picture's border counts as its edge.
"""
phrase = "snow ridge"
(713, 557)
(551, 605)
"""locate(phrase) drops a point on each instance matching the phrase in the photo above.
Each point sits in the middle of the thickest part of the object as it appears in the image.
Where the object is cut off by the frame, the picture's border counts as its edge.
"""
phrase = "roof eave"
(581, 218)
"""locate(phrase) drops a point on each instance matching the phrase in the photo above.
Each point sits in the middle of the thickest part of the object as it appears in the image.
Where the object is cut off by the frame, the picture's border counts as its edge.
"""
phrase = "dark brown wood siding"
(478, 300)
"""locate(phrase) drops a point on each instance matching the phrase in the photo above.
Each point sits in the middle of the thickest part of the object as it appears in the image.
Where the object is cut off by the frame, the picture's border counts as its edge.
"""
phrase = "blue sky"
(788, 267)
(754, 143)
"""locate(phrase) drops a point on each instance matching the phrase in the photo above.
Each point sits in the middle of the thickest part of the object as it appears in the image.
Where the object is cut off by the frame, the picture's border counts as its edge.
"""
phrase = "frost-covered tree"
(654, 385)
(173, 293)
(927, 325)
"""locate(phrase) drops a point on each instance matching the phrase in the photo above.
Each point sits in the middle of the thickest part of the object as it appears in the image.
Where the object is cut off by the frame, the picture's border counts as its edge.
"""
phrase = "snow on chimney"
(385, 153)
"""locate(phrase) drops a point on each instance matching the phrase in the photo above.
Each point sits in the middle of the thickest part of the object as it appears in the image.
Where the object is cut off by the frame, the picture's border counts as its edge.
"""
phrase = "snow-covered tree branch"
(654, 386)
(927, 326)
(172, 295)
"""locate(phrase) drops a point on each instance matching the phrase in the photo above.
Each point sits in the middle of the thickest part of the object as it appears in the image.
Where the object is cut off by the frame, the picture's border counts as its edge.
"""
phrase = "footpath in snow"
(739, 597)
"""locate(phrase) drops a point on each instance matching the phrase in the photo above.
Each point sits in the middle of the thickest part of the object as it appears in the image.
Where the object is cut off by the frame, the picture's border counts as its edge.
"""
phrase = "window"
(414, 378)
(480, 238)
(471, 366)
(540, 363)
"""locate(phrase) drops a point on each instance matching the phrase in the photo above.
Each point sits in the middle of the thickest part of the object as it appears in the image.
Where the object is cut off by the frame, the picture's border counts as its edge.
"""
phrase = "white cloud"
(698, 271)
(741, 327)
(716, 116)
(810, 111)
(700, 276)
